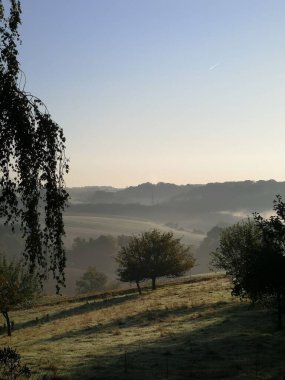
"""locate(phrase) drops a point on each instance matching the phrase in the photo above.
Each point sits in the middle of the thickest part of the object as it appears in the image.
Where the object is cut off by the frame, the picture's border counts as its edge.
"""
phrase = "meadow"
(186, 329)
(87, 226)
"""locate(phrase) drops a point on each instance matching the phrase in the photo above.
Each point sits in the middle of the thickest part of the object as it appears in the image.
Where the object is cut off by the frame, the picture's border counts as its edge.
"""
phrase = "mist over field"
(105, 217)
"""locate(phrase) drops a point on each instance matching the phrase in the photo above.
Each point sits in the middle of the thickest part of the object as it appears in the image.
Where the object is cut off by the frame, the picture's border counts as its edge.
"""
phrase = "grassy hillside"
(187, 330)
(92, 226)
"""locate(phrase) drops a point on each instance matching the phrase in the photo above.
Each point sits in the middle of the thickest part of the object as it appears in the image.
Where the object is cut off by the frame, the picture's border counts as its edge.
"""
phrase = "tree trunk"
(153, 283)
(6, 316)
(139, 288)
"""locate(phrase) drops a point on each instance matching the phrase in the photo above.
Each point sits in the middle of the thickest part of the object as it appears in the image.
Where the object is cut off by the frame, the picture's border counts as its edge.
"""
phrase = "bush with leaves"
(10, 365)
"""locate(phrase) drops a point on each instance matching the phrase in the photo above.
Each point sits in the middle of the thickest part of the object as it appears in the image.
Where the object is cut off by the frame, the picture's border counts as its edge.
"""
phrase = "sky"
(178, 91)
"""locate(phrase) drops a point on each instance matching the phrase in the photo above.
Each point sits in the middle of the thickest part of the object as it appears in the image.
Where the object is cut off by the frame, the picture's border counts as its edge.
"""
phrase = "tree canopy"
(253, 254)
(239, 246)
(32, 159)
(151, 255)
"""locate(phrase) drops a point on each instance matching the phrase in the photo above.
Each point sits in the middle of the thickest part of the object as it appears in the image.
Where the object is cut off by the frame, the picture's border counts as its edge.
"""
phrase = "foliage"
(273, 236)
(32, 159)
(10, 365)
(273, 229)
(17, 286)
(153, 254)
(238, 248)
(252, 253)
(131, 262)
(91, 281)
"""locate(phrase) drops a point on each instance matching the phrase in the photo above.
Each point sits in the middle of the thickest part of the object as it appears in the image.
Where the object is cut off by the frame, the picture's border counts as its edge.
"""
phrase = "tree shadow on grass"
(82, 309)
(242, 343)
(139, 320)
(92, 302)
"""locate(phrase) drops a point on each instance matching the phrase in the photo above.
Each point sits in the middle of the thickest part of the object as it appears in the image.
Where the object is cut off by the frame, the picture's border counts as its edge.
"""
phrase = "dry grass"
(191, 330)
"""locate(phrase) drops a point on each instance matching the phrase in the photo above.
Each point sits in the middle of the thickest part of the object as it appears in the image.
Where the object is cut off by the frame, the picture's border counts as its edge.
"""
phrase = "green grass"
(183, 330)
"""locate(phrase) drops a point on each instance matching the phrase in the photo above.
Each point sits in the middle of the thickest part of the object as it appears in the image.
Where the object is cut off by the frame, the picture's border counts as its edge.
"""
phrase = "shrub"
(10, 365)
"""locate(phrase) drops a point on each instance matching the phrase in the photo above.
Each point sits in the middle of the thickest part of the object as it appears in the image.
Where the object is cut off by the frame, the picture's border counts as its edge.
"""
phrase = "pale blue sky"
(161, 90)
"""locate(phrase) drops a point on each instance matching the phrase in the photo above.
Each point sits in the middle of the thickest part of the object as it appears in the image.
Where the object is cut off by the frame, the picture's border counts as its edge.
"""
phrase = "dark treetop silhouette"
(253, 254)
(32, 160)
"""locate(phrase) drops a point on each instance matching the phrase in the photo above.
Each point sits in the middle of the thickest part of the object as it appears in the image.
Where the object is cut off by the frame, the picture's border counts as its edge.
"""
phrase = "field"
(185, 330)
(93, 226)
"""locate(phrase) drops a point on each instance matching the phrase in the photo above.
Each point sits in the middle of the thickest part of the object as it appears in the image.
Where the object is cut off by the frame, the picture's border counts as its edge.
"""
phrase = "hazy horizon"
(172, 183)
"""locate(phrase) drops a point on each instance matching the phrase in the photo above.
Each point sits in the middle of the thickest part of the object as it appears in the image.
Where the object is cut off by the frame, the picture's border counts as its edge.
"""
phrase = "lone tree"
(253, 254)
(17, 287)
(91, 281)
(152, 255)
(32, 159)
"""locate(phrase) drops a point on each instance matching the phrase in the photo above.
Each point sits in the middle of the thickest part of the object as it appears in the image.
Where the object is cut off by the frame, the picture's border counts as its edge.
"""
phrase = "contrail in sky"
(214, 66)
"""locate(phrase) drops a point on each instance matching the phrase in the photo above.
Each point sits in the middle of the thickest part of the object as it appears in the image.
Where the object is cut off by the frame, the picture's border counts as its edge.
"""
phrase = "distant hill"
(85, 194)
(206, 204)
(245, 195)
(146, 193)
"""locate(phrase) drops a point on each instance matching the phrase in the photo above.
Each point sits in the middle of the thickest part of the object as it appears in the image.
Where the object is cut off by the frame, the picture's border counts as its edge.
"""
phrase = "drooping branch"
(32, 160)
